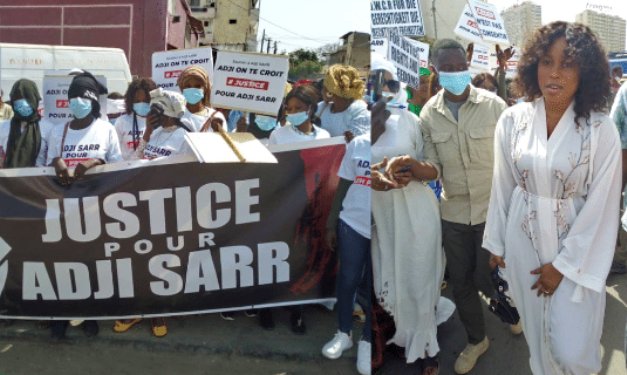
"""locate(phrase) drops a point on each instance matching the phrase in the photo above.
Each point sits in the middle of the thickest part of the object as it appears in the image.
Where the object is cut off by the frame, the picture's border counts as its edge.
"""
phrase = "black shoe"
(298, 323)
(266, 320)
(90, 327)
(58, 329)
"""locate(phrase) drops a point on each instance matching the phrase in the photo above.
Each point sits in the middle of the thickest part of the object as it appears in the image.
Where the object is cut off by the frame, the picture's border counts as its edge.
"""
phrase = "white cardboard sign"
(467, 26)
(251, 82)
(489, 22)
(168, 65)
(480, 57)
(56, 102)
(404, 16)
(405, 55)
(379, 46)
(423, 48)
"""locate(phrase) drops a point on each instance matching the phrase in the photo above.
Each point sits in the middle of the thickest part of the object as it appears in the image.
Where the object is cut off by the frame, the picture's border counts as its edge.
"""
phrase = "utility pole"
(275, 47)
(268, 46)
(435, 28)
(263, 38)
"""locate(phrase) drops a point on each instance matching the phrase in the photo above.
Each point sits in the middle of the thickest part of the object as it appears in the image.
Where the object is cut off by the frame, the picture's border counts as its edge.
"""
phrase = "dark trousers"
(355, 264)
(469, 272)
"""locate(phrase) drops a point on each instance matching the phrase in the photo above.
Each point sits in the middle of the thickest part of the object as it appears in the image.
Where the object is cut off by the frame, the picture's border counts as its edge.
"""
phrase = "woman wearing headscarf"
(418, 97)
(195, 85)
(346, 110)
(22, 137)
(87, 140)
(164, 136)
(168, 138)
(81, 144)
(556, 196)
(407, 256)
(130, 127)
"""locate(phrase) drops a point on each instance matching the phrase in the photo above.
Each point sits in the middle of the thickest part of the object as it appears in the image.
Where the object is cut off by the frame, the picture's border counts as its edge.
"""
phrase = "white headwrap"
(378, 62)
(173, 102)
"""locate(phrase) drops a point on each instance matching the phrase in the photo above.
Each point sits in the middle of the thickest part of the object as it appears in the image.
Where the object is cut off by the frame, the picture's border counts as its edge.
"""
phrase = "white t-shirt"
(355, 118)
(355, 167)
(198, 121)
(97, 141)
(166, 143)
(44, 129)
(124, 130)
(288, 134)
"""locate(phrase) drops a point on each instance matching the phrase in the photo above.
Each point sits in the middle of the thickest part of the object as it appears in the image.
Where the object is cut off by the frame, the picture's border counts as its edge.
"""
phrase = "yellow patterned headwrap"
(288, 88)
(344, 81)
(201, 74)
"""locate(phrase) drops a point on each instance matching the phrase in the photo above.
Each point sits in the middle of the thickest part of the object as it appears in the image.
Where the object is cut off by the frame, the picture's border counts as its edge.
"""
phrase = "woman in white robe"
(555, 197)
(407, 255)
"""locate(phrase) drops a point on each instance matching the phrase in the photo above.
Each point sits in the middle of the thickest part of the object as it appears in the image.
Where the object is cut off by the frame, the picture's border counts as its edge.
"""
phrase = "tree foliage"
(304, 63)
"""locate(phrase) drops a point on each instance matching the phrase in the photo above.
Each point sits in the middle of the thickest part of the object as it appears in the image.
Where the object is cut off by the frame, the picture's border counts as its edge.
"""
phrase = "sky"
(311, 24)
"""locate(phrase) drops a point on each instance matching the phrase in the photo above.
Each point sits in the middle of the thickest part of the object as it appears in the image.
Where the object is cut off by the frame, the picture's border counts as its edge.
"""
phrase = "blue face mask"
(141, 109)
(193, 96)
(297, 118)
(112, 120)
(23, 108)
(265, 123)
(80, 107)
(456, 82)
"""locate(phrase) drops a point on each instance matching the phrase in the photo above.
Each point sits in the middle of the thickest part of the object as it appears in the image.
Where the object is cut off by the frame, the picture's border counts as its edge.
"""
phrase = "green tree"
(304, 63)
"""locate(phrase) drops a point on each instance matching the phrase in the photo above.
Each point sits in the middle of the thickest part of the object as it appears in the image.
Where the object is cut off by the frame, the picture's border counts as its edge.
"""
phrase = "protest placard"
(169, 239)
(489, 22)
(480, 57)
(55, 100)
(423, 49)
(168, 65)
(405, 55)
(379, 46)
(467, 26)
(403, 16)
(250, 82)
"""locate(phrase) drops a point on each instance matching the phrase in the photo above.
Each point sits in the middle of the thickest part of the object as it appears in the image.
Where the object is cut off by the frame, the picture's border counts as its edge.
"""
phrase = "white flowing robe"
(407, 256)
(556, 200)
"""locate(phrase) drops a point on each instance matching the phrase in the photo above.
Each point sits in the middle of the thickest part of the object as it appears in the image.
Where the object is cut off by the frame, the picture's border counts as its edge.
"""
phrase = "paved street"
(508, 354)
(194, 345)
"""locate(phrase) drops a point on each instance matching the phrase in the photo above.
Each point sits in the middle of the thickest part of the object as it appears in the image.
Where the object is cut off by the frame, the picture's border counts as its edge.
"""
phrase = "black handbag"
(500, 303)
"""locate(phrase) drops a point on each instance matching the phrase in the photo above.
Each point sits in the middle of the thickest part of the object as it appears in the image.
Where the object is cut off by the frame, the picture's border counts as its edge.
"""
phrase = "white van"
(32, 60)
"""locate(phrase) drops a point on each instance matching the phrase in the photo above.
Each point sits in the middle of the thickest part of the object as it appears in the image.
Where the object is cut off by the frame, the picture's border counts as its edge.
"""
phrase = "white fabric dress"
(556, 201)
(407, 256)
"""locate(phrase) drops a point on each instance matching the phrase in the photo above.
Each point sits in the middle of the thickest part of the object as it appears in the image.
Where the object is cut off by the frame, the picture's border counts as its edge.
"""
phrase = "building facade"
(139, 27)
(228, 24)
(355, 51)
(521, 21)
(609, 29)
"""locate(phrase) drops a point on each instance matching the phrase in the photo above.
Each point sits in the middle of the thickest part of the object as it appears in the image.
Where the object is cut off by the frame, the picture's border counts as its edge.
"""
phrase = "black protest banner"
(169, 239)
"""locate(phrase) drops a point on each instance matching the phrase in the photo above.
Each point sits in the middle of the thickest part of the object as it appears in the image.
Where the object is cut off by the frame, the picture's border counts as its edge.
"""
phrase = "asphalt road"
(508, 354)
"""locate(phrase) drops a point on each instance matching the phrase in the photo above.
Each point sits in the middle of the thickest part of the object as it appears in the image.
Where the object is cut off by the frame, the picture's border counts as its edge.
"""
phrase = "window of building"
(194, 3)
(206, 23)
(232, 22)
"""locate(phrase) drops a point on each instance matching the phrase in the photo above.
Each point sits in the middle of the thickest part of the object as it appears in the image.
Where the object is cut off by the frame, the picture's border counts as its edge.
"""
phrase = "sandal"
(159, 328)
(122, 326)
(431, 366)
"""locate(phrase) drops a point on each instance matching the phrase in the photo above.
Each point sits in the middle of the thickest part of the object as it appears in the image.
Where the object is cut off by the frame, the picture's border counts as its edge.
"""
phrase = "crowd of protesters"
(548, 144)
(150, 123)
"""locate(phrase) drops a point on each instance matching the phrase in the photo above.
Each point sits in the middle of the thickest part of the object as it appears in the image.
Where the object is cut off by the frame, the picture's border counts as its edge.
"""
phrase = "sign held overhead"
(403, 16)
(250, 82)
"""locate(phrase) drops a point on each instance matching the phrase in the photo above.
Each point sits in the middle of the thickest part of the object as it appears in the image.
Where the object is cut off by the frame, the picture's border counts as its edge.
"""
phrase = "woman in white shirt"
(195, 85)
(165, 133)
(300, 108)
(81, 144)
(130, 127)
(346, 111)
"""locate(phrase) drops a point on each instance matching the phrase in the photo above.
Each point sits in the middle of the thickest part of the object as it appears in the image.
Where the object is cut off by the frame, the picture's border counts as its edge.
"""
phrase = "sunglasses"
(392, 85)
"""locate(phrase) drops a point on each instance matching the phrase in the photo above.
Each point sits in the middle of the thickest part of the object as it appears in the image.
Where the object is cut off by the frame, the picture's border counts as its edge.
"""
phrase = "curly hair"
(584, 49)
(145, 84)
